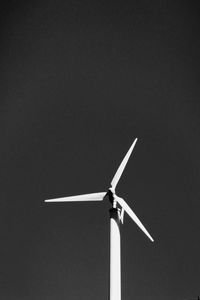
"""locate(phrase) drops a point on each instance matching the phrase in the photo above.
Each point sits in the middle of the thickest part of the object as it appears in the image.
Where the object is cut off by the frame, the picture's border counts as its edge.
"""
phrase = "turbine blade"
(84, 197)
(122, 166)
(133, 216)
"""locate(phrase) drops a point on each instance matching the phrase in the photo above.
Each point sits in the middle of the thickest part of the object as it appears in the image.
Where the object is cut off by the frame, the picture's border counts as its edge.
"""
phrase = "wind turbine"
(119, 206)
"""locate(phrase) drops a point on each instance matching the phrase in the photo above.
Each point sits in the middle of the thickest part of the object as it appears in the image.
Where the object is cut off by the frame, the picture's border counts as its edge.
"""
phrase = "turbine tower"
(119, 206)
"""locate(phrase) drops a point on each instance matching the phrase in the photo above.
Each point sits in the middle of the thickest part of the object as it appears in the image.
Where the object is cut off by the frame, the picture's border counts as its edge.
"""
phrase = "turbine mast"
(115, 254)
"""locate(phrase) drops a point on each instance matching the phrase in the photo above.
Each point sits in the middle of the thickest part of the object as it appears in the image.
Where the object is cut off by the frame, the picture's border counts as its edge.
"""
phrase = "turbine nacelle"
(112, 196)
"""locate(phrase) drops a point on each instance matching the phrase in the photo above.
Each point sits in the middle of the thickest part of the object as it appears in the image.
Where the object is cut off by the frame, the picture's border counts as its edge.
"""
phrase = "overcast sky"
(81, 80)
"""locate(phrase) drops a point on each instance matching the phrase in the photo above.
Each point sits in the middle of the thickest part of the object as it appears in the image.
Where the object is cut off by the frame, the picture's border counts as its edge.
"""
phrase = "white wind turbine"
(116, 218)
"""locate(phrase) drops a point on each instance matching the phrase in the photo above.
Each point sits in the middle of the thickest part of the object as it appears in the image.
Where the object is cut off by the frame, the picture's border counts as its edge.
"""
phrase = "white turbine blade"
(133, 216)
(122, 166)
(85, 197)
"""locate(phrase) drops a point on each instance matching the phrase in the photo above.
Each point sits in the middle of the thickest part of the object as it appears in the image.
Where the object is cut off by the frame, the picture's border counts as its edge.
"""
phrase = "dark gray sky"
(81, 80)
